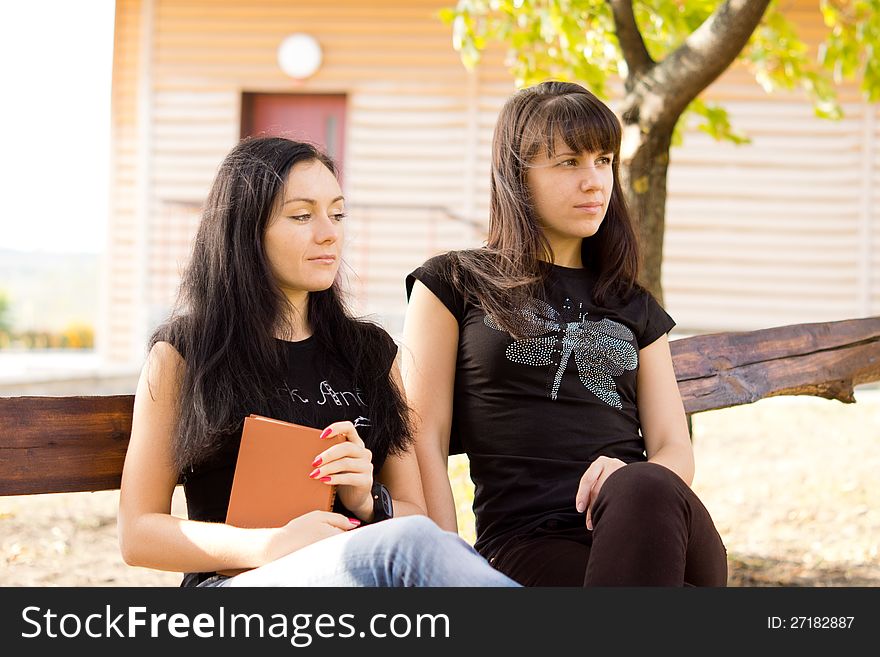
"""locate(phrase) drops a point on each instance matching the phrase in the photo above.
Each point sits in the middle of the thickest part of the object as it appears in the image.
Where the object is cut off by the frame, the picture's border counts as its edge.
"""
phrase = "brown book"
(271, 484)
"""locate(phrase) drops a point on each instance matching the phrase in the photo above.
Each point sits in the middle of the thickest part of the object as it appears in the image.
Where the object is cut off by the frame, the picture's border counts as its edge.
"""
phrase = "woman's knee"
(417, 541)
(411, 525)
(403, 531)
(644, 483)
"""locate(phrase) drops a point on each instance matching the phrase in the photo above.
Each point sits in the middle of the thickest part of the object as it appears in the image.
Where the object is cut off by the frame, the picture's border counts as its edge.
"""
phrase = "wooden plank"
(826, 360)
(63, 444)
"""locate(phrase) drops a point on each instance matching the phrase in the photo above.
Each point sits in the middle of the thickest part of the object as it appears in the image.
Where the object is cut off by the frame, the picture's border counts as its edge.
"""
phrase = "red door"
(316, 118)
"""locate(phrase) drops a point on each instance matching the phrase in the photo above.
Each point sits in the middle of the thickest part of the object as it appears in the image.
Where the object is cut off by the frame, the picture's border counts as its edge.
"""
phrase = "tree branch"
(683, 74)
(638, 60)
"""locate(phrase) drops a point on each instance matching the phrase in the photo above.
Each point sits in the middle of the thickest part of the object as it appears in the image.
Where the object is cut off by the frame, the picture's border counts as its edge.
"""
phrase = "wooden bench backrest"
(63, 444)
(67, 444)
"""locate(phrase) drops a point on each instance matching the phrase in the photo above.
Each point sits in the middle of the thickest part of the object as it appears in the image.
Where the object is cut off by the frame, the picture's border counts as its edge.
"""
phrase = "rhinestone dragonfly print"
(601, 349)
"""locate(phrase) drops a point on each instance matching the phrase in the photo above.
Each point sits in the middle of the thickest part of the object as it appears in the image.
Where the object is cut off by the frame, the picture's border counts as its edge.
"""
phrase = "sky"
(55, 66)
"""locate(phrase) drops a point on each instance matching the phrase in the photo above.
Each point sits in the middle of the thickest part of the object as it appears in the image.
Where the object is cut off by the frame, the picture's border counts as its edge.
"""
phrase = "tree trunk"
(658, 93)
(643, 172)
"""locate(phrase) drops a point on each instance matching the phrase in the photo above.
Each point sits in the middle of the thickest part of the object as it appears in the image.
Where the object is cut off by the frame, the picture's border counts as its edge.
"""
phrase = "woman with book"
(260, 328)
(543, 359)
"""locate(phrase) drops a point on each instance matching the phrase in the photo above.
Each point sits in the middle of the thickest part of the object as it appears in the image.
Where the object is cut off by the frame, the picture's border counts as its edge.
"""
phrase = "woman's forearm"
(438, 491)
(165, 542)
(403, 508)
(677, 457)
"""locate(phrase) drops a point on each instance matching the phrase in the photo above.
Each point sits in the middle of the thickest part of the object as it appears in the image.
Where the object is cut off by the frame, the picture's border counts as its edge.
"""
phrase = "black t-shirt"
(533, 413)
(313, 392)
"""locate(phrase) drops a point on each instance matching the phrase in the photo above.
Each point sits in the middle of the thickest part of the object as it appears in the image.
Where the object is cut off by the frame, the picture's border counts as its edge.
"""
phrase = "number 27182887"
(810, 622)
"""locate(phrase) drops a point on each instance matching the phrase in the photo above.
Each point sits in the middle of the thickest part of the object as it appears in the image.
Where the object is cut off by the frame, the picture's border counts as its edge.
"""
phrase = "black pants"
(650, 529)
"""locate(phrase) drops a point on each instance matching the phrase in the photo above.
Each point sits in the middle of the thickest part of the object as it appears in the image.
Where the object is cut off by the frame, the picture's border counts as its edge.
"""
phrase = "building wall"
(779, 231)
(784, 230)
(119, 307)
(409, 126)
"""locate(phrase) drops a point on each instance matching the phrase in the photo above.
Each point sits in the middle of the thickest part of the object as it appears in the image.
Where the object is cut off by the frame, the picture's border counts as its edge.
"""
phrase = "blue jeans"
(407, 551)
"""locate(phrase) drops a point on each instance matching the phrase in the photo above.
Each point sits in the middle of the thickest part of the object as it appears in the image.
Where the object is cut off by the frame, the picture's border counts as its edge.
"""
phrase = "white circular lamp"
(299, 55)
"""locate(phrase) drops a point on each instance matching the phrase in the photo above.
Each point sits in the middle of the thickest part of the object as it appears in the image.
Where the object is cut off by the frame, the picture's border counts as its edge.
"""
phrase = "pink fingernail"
(315, 473)
(354, 521)
(326, 433)
(324, 479)
(316, 462)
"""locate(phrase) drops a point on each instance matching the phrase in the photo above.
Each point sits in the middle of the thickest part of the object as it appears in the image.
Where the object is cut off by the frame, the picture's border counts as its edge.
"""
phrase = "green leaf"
(447, 15)
(716, 122)
(576, 40)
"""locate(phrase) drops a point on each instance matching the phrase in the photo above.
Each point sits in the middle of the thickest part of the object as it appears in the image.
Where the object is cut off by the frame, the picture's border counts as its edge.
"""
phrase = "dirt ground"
(791, 483)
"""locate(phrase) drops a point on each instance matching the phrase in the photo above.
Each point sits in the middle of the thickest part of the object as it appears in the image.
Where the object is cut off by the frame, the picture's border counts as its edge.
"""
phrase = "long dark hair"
(512, 267)
(229, 309)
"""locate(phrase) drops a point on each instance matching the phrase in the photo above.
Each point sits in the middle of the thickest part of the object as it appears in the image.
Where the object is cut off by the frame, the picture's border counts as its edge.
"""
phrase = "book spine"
(332, 497)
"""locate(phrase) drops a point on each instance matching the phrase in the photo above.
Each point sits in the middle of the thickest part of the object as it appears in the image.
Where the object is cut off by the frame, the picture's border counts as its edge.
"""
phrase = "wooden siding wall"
(116, 329)
(408, 133)
(783, 230)
(778, 231)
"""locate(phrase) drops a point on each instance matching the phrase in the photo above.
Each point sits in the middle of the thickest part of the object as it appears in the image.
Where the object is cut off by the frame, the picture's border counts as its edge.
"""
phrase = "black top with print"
(533, 413)
(313, 393)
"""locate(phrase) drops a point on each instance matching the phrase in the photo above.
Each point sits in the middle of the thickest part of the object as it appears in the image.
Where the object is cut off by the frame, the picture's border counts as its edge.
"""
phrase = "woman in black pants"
(542, 358)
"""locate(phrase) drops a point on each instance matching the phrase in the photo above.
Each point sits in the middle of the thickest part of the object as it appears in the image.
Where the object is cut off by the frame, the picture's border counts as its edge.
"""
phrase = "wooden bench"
(69, 444)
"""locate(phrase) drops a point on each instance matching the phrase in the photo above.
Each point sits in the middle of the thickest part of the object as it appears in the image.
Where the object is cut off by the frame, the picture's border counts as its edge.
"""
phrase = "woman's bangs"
(581, 126)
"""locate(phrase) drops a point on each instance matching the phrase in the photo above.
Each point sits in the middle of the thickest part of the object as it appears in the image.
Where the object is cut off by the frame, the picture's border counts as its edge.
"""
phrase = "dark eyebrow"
(311, 201)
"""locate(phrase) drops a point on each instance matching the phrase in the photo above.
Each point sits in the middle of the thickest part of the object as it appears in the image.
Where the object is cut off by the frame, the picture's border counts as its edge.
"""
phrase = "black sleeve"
(435, 275)
(657, 322)
(390, 348)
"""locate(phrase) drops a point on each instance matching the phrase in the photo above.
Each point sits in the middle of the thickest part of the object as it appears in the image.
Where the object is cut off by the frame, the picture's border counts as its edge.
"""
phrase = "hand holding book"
(271, 488)
(271, 485)
(349, 466)
(304, 530)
